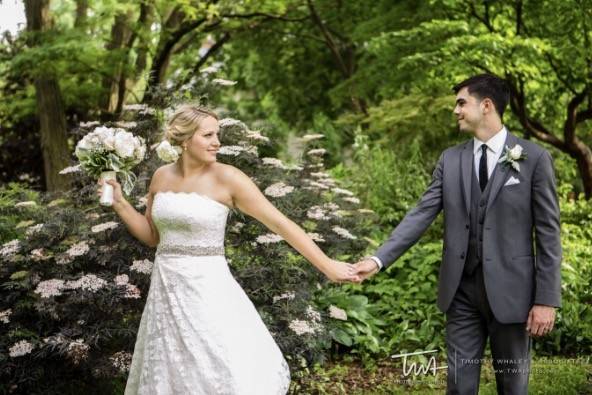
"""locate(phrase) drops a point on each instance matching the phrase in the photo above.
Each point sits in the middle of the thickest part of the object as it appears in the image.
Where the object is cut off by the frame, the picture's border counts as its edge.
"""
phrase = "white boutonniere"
(511, 156)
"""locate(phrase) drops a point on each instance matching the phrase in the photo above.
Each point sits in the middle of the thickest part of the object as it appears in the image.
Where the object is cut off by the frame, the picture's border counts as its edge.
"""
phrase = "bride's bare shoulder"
(234, 180)
(160, 175)
(227, 173)
(163, 170)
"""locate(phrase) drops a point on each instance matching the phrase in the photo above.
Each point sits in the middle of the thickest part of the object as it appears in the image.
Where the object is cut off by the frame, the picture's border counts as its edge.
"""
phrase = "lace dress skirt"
(201, 334)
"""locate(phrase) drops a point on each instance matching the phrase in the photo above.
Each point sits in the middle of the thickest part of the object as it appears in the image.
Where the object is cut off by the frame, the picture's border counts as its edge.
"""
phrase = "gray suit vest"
(477, 216)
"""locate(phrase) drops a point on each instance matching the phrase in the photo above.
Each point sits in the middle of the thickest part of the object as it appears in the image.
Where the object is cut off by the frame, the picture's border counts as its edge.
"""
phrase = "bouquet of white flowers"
(106, 152)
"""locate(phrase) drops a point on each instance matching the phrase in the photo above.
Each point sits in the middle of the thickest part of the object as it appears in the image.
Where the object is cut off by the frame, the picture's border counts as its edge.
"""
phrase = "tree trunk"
(54, 144)
(161, 58)
(120, 33)
(583, 156)
(570, 144)
(50, 107)
(144, 22)
(81, 9)
(123, 39)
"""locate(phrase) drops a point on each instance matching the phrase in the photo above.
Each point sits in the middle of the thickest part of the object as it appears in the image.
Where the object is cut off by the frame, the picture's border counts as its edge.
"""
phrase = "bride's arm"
(248, 198)
(140, 226)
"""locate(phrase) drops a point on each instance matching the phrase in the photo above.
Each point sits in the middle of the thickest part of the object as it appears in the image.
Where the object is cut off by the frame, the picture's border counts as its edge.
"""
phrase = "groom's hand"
(366, 268)
(540, 320)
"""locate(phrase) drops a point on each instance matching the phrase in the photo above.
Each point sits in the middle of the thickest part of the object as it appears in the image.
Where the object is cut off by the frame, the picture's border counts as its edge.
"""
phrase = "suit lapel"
(466, 169)
(501, 173)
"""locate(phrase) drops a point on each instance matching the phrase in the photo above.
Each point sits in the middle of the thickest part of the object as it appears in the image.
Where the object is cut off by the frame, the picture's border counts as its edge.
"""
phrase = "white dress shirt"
(495, 147)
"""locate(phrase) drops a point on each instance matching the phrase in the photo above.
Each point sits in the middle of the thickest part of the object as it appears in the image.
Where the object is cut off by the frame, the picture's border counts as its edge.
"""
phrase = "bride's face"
(204, 143)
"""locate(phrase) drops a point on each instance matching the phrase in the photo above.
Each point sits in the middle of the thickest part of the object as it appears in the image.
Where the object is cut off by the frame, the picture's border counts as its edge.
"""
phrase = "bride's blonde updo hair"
(185, 121)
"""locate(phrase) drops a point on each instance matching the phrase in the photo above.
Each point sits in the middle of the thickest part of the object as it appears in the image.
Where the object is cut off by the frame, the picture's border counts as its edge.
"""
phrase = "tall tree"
(546, 59)
(81, 10)
(182, 26)
(117, 47)
(309, 62)
(50, 106)
(176, 25)
(343, 51)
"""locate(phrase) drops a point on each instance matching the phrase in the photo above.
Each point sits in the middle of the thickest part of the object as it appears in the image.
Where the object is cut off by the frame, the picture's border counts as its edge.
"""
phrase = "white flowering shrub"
(281, 283)
(74, 281)
(71, 295)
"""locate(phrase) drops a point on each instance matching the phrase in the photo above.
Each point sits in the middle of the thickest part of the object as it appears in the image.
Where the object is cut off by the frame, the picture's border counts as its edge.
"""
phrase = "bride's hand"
(117, 193)
(341, 272)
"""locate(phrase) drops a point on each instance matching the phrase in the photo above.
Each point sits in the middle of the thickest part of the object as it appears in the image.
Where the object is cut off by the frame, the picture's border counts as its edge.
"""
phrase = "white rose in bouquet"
(168, 153)
(107, 136)
(125, 143)
(86, 145)
(106, 152)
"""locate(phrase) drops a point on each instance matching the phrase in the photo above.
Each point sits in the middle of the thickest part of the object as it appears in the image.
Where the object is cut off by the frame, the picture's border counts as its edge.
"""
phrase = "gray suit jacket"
(517, 216)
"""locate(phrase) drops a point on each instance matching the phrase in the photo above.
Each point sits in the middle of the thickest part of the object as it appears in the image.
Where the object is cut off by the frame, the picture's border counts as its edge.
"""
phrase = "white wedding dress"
(199, 332)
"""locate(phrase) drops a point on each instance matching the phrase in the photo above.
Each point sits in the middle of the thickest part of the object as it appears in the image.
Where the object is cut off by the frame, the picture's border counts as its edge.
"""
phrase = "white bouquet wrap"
(107, 193)
(107, 152)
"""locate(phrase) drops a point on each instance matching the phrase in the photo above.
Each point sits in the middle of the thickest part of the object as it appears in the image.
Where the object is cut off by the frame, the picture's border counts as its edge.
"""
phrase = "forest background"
(372, 78)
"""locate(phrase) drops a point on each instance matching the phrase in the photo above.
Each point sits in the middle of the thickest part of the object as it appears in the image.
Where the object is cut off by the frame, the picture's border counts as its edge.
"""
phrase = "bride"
(199, 332)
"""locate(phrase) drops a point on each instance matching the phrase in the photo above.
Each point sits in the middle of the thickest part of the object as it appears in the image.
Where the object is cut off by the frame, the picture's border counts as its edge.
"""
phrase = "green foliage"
(414, 121)
(14, 192)
(555, 375)
(393, 312)
(297, 66)
(573, 332)
(389, 182)
(362, 327)
(568, 180)
(333, 140)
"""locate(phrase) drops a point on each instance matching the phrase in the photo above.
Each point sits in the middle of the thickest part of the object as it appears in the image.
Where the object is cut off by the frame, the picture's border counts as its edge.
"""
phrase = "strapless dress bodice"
(189, 223)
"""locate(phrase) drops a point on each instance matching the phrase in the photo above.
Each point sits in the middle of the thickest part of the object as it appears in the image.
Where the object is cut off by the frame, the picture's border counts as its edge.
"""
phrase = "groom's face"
(468, 111)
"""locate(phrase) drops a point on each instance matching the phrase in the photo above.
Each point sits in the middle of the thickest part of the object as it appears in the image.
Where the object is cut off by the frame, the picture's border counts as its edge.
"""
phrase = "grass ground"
(553, 376)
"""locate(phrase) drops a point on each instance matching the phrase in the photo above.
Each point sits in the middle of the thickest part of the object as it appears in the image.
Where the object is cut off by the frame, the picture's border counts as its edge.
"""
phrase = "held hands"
(339, 272)
(366, 268)
(117, 193)
(540, 320)
(345, 272)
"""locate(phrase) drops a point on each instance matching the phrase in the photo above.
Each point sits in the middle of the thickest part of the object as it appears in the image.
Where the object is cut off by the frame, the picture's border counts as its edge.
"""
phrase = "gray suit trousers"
(469, 323)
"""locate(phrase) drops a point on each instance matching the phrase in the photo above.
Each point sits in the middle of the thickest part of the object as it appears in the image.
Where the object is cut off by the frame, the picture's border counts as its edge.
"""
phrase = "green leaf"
(340, 336)
(19, 275)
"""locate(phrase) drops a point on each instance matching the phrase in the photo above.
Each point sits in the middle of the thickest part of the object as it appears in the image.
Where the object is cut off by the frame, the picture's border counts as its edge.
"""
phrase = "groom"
(500, 271)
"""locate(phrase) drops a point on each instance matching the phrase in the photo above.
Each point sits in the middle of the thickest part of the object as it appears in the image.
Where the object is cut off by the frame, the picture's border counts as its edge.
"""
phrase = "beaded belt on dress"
(180, 249)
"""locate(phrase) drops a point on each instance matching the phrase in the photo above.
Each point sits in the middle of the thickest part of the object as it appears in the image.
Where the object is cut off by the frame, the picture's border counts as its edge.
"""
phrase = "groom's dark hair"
(487, 86)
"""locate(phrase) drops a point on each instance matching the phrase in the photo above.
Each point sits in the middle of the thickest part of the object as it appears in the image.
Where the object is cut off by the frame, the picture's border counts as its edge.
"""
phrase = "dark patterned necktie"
(483, 168)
